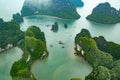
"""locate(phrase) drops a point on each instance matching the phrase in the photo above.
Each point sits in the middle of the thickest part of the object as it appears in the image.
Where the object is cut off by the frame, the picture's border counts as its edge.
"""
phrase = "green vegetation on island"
(78, 3)
(59, 8)
(1, 20)
(17, 17)
(115, 70)
(105, 63)
(109, 47)
(104, 13)
(76, 79)
(32, 42)
(55, 27)
(92, 54)
(10, 35)
(99, 73)
(34, 47)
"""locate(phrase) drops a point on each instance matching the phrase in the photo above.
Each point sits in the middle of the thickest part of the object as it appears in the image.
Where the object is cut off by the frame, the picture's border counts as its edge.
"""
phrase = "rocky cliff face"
(59, 8)
(104, 13)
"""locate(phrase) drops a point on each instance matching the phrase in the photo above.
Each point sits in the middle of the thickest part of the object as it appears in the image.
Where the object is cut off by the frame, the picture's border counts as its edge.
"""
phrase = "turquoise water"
(6, 60)
(61, 63)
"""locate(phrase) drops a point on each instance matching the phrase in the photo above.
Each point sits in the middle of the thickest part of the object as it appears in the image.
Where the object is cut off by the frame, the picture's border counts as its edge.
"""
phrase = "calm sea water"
(61, 63)
(6, 60)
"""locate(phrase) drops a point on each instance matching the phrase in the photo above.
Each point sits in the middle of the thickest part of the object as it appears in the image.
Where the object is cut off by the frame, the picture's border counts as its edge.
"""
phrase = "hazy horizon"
(9, 7)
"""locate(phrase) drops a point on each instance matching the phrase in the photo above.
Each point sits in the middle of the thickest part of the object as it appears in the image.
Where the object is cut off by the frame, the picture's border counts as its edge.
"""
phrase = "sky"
(9, 7)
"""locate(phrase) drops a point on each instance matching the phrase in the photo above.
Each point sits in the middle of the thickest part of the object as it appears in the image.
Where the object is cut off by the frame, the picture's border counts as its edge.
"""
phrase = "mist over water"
(9, 7)
(39, 3)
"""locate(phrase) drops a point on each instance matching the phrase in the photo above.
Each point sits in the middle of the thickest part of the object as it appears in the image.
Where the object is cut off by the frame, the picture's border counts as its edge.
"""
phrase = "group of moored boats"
(60, 42)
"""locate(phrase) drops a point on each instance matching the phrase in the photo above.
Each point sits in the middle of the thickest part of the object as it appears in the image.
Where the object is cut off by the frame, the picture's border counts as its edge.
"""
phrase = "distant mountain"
(104, 13)
(59, 8)
(78, 3)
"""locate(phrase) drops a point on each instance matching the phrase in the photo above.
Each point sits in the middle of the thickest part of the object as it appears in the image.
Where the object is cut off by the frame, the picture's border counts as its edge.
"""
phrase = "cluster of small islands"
(104, 56)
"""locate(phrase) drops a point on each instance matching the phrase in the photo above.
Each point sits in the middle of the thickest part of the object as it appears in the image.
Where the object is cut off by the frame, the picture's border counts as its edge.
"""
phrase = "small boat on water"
(51, 45)
(61, 42)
